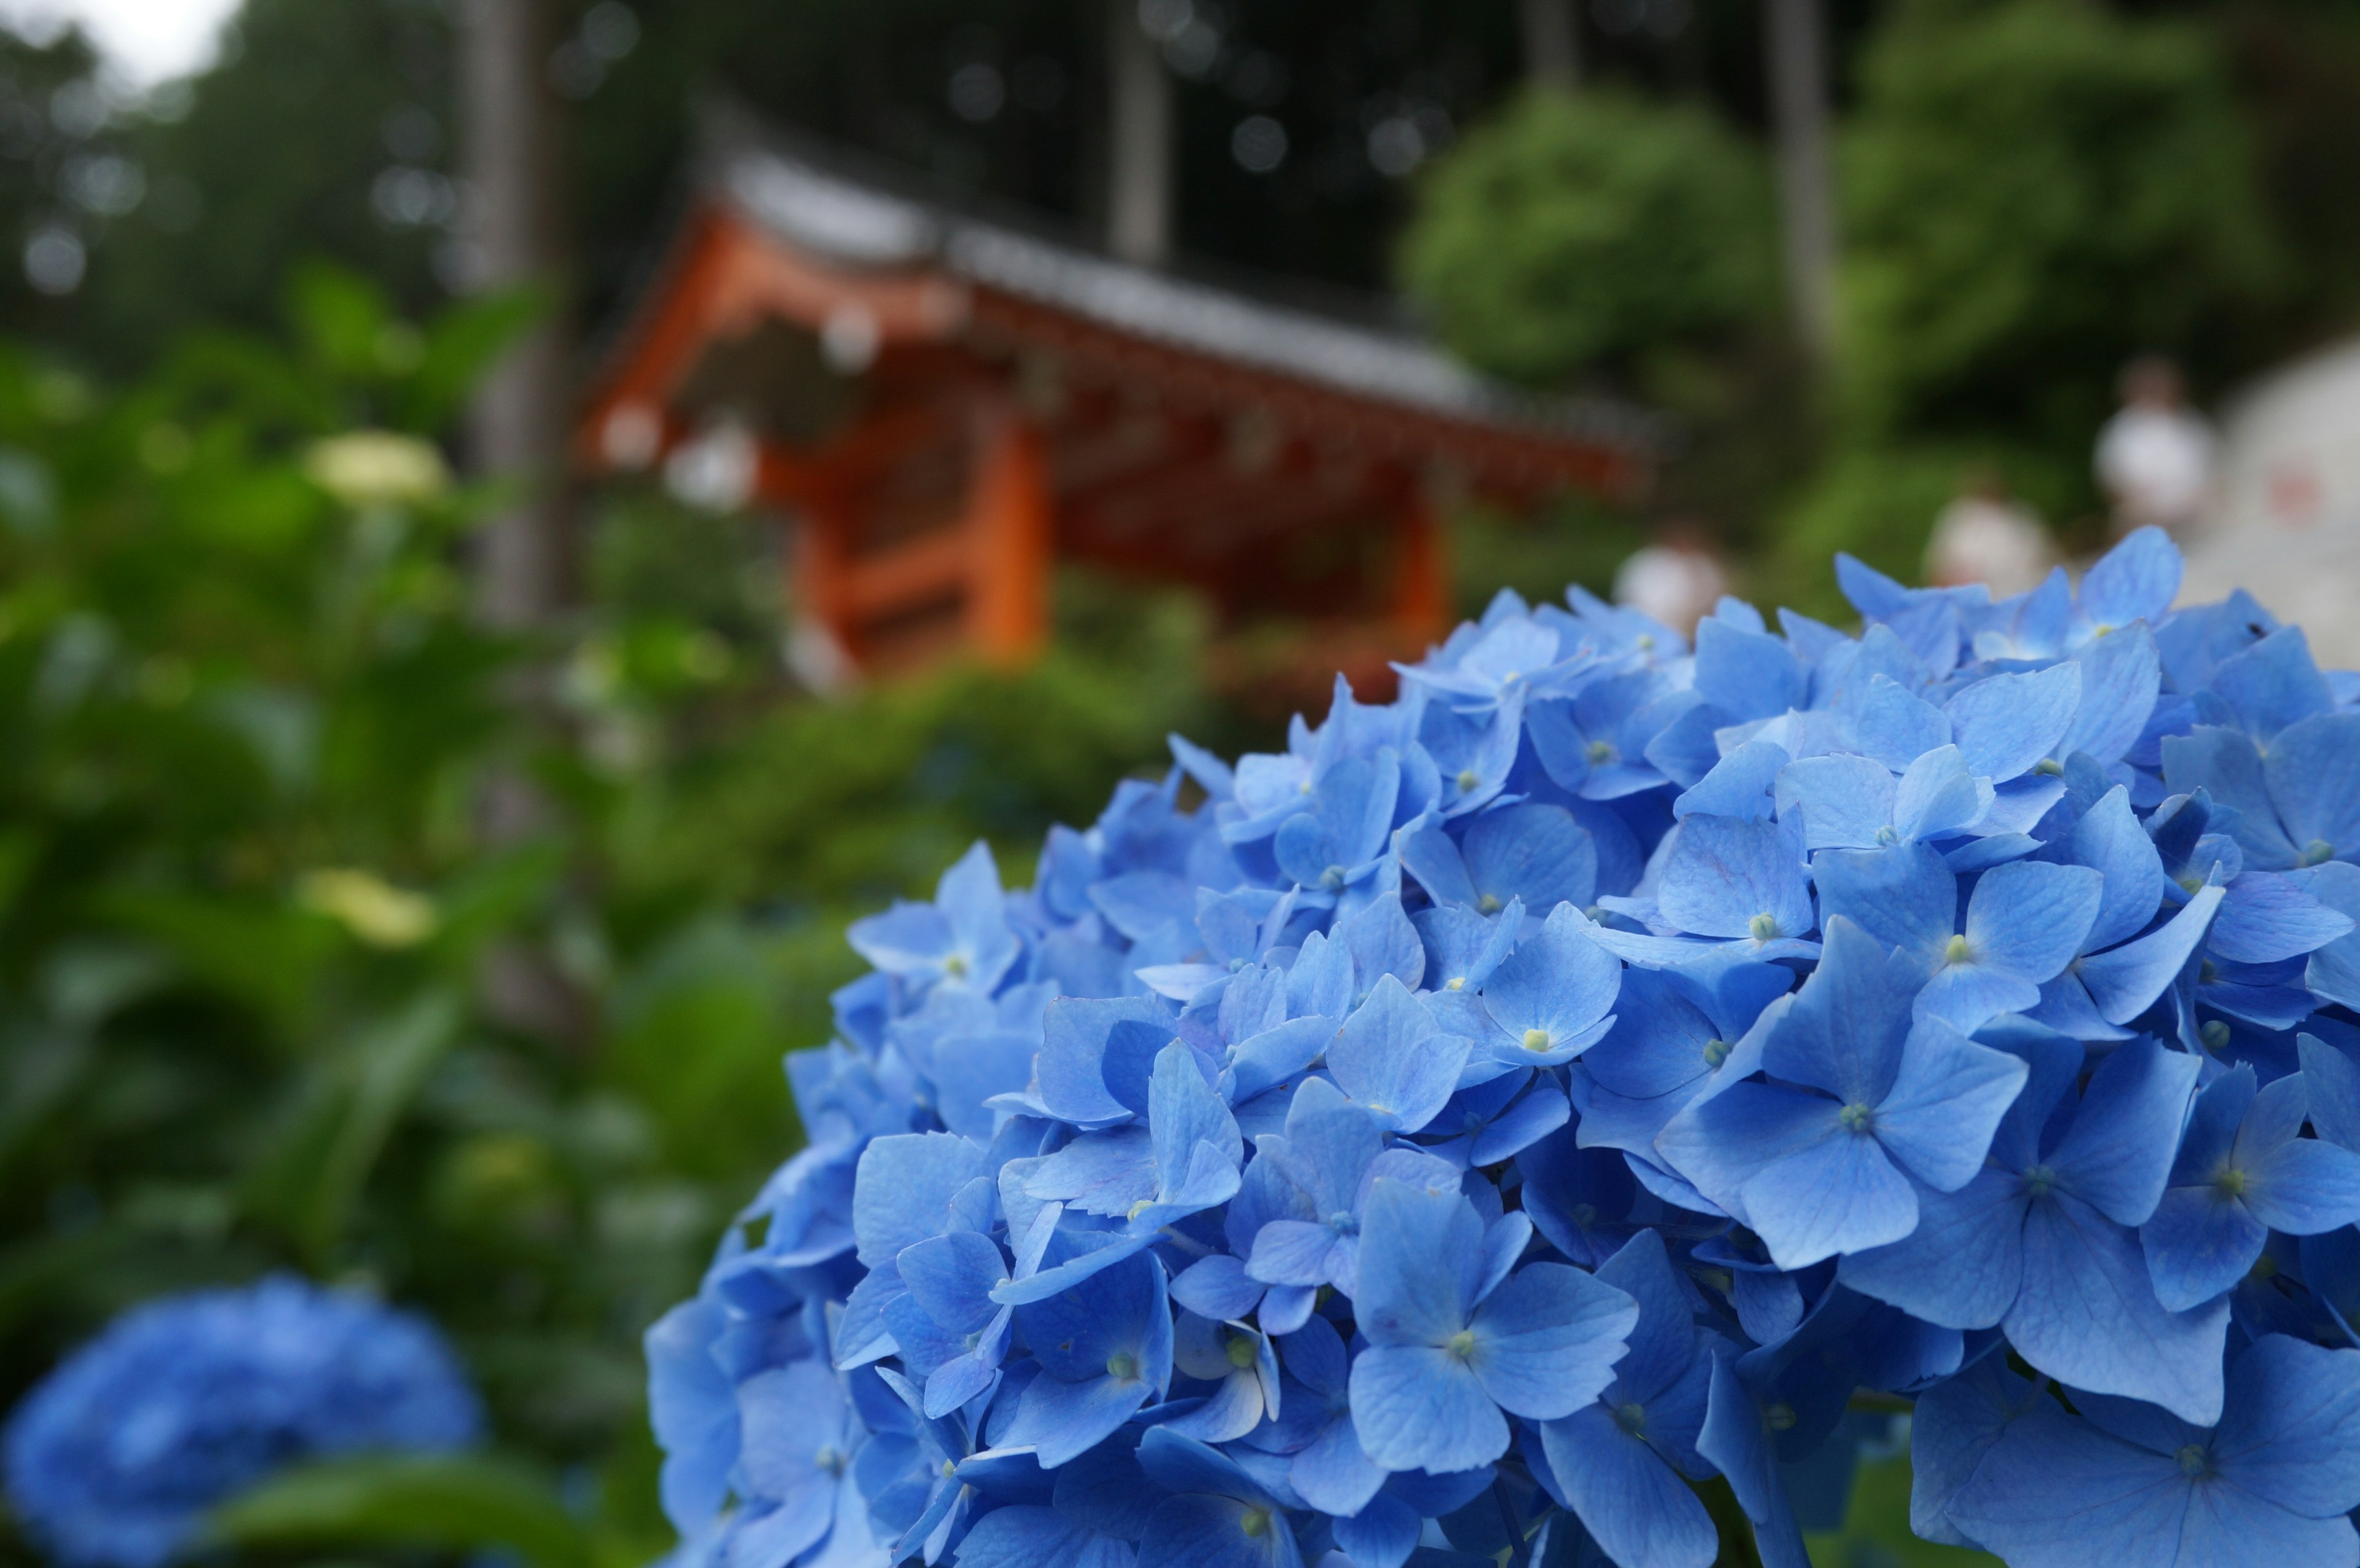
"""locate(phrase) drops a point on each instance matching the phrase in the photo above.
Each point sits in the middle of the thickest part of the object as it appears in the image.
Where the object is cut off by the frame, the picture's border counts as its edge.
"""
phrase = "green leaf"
(340, 315)
(393, 1062)
(451, 1501)
(313, 1176)
(461, 345)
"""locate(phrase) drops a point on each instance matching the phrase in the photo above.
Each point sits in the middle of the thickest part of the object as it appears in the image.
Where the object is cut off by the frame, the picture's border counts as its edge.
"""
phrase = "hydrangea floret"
(114, 1458)
(1617, 1062)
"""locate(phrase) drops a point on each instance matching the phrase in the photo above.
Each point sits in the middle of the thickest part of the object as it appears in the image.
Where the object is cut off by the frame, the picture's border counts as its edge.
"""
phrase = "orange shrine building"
(949, 404)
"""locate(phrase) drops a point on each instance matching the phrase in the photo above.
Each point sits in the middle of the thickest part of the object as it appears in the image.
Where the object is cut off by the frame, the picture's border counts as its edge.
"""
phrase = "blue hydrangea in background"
(185, 1401)
(1588, 1075)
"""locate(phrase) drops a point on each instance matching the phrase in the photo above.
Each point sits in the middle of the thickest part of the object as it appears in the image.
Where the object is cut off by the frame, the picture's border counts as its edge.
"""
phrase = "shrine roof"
(833, 206)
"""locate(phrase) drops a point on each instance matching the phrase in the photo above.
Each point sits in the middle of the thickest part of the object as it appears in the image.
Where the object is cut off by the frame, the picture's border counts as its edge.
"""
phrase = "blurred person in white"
(1677, 580)
(1986, 536)
(2155, 456)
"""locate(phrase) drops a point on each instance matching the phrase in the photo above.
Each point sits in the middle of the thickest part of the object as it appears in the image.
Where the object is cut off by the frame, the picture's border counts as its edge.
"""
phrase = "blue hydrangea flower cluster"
(1614, 1064)
(112, 1459)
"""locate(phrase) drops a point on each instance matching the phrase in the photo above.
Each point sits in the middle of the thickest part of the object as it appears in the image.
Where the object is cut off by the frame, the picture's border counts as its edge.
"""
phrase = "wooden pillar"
(1421, 609)
(1009, 539)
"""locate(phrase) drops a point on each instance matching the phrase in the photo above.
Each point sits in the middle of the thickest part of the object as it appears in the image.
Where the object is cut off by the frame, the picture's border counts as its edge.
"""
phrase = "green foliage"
(1879, 502)
(1574, 229)
(270, 998)
(2037, 190)
(1539, 554)
(468, 1502)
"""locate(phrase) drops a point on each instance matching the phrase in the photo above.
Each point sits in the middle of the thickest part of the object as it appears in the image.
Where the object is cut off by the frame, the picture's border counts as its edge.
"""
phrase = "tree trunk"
(1138, 166)
(518, 426)
(1552, 39)
(1797, 47)
(518, 430)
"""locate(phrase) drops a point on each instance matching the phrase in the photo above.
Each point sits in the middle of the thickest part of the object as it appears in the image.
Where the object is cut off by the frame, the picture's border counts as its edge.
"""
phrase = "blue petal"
(1745, 674)
(1735, 1441)
(1420, 1265)
(1432, 857)
(1383, 942)
(2273, 684)
(1663, 1342)
(1382, 1535)
(2266, 917)
(1846, 1031)
(1419, 1407)
(1263, 1061)
(2028, 919)
(2007, 722)
(1103, 1174)
(1724, 872)
(2058, 1493)
(1953, 1427)
(1557, 986)
(1296, 1252)
(1062, 1419)
(1937, 795)
(1204, 1532)
(1185, 1115)
(1845, 801)
(2119, 676)
(2335, 969)
(1393, 1062)
(1886, 723)
(1841, 1195)
(2118, 1153)
(2109, 840)
(2291, 1434)
(2125, 982)
(2199, 1242)
(1904, 897)
(1096, 1056)
(1720, 1143)
(904, 1188)
(1121, 1308)
(2136, 580)
(952, 1277)
(1029, 1537)
(1545, 1341)
(2305, 1186)
(1946, 1104)
(1332, 1474)
(2224, 763)
(1320, 984)
(1329, 1144)
(972, 1068)
(1659, 1040)
(2335, 1093)
(2088, 1316)
(2315, 777)
(1640, 1511)
(1738, 786)
(1217, 1287)
(1535, 852)
(1969, 995)
(1963, 1265)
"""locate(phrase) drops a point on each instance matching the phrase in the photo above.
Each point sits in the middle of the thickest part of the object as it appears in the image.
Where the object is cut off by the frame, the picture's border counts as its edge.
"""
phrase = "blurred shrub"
(269, 997)
(1575, 228)
(245, 913)
(1879, 501)
(2035, 191)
